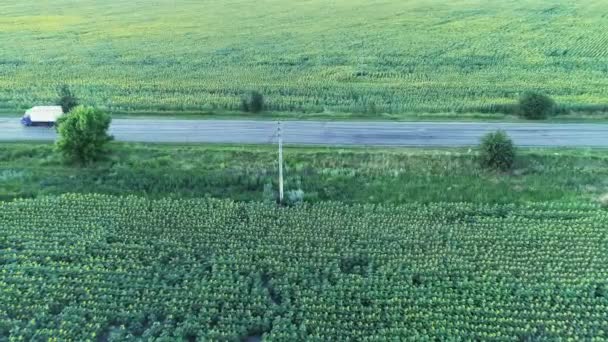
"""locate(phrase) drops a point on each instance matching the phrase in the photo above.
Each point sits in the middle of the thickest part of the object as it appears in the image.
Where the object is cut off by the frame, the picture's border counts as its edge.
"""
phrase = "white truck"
(42, 116)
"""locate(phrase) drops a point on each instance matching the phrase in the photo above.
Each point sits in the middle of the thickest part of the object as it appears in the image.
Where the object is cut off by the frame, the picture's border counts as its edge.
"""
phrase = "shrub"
(67, 100)
(497, 151)
(536, 106)
(294, 197)
(603, 199)
(83, 134)
(253, 104)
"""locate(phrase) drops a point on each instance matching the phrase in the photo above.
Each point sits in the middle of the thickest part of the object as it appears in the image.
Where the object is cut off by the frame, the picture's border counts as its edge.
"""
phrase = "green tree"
(67, 100)
(83, 136)
(497, 151)
(536, 106)
(253, 104)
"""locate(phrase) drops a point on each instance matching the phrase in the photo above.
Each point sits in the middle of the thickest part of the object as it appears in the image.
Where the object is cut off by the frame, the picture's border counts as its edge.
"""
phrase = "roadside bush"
(536, 106)
(83, 134)
(254, 103)
(294, 197)
(603, 199)
(67, 100)
(497, 151)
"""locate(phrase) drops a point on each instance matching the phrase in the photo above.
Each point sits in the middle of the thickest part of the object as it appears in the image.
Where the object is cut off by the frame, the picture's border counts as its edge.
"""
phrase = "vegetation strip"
(354, 175)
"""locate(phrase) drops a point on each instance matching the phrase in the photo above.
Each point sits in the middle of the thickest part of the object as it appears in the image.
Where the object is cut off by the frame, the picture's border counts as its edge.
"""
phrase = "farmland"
(94, 267)
(107, 240)
(170, 242)
(359, 57)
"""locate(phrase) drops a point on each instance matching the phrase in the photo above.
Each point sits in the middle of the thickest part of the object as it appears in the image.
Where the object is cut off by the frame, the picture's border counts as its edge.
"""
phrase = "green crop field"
(343, 56)
(390, 244)
(93, 267)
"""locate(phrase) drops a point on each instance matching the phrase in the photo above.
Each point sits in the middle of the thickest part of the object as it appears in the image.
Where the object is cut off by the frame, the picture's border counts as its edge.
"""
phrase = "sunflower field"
(364, 57)
(103, 268)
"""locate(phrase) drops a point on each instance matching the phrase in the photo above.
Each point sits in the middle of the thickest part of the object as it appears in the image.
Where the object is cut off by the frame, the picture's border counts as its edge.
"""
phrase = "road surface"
(329, 133)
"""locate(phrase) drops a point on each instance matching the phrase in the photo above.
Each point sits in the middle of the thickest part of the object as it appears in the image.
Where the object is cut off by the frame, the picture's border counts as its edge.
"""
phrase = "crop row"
(124, 88)
(376, 58)
(85, 267)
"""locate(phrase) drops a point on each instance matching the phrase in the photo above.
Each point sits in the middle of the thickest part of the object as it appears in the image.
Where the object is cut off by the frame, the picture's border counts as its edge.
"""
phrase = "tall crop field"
(350, 56)
(92, 267)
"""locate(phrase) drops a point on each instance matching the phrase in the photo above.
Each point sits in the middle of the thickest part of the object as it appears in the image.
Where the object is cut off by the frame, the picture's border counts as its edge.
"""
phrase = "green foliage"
(269, 195)
(254, 103)
(170, 57)
(536, 106)
(67, 100)
(395, 175)
(294, 197)
(83, 134)
(603, 200)
(93, 267)
(497, 151)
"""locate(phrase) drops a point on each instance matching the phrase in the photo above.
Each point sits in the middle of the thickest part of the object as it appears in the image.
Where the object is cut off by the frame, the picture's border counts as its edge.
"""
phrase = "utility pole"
(280, 162)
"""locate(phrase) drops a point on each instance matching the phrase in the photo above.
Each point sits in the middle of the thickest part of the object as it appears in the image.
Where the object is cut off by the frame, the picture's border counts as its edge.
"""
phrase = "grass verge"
(353, 175)
(574, 117)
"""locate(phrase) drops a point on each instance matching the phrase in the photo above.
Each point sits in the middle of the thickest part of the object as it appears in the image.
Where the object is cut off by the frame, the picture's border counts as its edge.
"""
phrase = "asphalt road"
(330, 133)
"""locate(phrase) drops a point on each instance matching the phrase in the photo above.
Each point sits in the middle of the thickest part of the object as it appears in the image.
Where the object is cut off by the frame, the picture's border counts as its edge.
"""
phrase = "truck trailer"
(42, 116)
